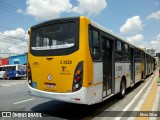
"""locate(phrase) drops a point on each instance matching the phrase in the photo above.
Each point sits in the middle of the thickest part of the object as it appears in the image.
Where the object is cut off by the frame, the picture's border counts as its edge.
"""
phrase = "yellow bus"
(79, 61)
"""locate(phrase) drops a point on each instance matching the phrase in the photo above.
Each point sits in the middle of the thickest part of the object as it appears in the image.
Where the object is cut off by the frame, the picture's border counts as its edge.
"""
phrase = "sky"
(138, 21)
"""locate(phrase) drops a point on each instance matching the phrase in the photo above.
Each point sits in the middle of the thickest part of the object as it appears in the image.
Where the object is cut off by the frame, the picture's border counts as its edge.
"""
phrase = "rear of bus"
(59, 61)
(16, 71)
(21, 71)
(2, 72)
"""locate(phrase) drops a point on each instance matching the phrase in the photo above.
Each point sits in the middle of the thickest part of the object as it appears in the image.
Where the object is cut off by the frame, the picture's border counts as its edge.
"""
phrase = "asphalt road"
(14, 97)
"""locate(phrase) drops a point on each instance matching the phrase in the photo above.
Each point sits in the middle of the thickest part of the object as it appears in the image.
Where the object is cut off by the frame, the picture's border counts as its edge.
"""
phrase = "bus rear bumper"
(78, 97)
(17, 75)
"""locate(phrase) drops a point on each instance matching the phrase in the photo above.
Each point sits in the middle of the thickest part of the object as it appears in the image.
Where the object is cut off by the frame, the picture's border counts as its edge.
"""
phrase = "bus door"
(132, 65)
(107, 66)
(144, 59)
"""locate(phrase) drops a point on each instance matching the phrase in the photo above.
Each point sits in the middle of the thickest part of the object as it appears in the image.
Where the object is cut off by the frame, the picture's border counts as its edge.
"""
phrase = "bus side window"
(119, 53)
(126, 48)
(8, 68)
(118, 45)
(95, 44)
(3, 69)
(13, 68)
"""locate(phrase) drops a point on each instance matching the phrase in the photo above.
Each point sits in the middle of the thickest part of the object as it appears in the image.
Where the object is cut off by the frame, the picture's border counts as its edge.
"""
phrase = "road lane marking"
(16, 82)
(23, 101)
(4, 85)
(134, 99)
(11, 84)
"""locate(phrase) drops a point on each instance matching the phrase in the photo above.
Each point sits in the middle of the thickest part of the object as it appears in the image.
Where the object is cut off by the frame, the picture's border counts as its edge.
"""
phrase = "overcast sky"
(136, 20)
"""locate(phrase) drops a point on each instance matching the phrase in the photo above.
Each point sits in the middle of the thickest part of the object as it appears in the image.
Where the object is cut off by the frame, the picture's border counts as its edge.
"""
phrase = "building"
(158, 55)
(18, 59)
(151, 51)
(4, 61)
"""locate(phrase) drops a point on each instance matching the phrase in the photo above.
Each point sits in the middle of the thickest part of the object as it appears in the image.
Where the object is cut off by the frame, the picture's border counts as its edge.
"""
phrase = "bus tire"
(122, 89)
(142, 75)
(149, 73)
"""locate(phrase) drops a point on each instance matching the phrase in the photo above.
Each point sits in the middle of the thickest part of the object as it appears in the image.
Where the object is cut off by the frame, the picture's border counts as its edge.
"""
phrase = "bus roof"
(112, 33)
(54, 20)
(100, 27)
(115, 35)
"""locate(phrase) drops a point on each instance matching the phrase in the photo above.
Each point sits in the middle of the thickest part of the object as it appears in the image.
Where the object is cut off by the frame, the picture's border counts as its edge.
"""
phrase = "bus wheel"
(142, 75)
(122, 89)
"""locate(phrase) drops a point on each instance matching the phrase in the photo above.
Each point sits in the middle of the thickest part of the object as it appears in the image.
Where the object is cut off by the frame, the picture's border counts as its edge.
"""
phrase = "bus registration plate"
(50, 85)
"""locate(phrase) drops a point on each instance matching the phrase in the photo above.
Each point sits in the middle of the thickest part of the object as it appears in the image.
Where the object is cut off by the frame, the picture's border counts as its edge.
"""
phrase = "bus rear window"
(56, 36)
(53, 38)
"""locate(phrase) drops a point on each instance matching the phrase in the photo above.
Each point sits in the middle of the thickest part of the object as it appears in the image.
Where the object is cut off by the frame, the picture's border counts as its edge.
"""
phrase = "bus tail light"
(29, 75)
(78, 77)
(78, 99)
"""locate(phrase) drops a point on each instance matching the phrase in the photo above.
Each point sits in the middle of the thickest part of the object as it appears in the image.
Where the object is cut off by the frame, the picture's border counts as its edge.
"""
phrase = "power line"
(31, 19)
(8, 5)
(4, 37)
(15, 9)
(6, 27)
(8, 41)
(6, 53)
(11, 39)
(12, 42)
(14, 38)
(11, 8)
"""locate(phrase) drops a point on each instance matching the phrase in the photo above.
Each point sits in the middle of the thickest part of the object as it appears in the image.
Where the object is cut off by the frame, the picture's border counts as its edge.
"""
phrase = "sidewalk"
(143, 106)
(152, 102)
(159, 96)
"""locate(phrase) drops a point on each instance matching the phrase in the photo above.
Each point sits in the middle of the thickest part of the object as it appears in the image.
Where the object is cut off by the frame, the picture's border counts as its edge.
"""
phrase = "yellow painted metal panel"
(54, 71)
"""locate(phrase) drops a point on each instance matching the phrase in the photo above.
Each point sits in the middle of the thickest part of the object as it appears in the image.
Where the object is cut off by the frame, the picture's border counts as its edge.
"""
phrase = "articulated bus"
(12, 71)
(77, 60)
